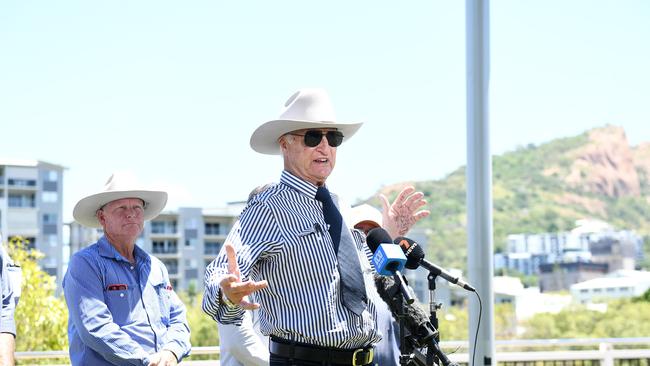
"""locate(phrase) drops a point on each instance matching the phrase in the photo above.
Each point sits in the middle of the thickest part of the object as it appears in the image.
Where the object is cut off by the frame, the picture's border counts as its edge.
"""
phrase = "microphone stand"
(434, 354)
(409, 355)
(405, 353)
(433, 318)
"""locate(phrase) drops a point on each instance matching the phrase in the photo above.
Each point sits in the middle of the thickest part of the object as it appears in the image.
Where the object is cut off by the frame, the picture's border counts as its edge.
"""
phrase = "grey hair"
(257, 190)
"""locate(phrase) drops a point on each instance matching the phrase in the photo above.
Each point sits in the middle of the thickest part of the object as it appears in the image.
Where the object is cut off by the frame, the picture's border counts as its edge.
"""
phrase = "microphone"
(415, 258)
(388, 259)
(421, 332)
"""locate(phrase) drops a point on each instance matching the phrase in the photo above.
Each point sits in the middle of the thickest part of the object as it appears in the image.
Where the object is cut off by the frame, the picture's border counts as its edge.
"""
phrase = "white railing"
(603, 351)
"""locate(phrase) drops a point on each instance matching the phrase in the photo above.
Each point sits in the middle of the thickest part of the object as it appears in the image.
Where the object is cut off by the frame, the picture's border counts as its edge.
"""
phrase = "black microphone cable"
(478, 325)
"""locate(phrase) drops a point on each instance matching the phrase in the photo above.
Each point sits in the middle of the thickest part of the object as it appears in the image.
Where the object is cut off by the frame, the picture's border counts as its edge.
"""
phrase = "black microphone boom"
(421, 332)
(415, 258)
(417, 321)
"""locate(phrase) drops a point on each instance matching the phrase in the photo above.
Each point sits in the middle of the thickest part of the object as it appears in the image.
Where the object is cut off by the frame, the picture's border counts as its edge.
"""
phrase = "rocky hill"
(545, 188)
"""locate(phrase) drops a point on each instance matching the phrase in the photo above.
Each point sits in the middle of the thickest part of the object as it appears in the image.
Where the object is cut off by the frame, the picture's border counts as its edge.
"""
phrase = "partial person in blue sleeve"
(122, 307)
(10, 282)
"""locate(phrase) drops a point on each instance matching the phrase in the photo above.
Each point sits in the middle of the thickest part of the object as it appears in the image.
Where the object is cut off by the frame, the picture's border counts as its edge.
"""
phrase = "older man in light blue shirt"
(122, 308)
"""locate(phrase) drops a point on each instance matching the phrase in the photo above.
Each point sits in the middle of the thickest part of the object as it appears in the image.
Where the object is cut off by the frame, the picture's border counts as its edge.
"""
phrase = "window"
(212, 247)
(50, 218)
(212, 228)
(163, 227)
(164, 246)
(21, 182)
(172, 266)
(21, 200)
(191, 224)
(50, 197)
(53, 176)
(191, 263)
(50, 186)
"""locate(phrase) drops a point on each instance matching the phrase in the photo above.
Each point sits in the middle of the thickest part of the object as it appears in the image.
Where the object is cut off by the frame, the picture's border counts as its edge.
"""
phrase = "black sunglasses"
(314, 137)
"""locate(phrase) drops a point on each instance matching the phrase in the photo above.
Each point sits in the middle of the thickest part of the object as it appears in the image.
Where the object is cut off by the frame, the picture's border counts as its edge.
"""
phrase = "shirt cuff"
(175, 349)
(8, 326)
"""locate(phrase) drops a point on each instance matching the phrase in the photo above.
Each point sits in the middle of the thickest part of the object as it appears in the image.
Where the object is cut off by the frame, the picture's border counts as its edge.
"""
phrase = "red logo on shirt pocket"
(117, 287)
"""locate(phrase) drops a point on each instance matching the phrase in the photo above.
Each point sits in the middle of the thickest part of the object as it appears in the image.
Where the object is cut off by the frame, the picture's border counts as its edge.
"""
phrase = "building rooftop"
(615, 279)
(26, 162)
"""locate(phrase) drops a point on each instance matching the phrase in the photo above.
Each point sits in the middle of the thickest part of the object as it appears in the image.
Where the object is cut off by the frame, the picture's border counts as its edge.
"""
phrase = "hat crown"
(309, 105)
(122, 181)
(365, 212)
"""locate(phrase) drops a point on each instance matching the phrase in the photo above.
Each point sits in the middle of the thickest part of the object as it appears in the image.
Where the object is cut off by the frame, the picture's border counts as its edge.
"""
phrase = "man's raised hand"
(400, 217)
(233, 288)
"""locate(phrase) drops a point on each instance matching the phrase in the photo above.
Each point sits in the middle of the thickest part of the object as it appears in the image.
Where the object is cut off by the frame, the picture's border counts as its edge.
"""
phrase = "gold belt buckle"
(365, 361)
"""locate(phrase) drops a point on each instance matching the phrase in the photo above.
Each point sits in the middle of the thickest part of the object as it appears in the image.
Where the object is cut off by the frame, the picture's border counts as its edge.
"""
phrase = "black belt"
(305, 352)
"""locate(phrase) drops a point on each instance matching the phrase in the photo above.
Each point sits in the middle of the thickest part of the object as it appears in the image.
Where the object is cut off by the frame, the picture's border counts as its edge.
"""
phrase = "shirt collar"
(109, 251)
(298, 184)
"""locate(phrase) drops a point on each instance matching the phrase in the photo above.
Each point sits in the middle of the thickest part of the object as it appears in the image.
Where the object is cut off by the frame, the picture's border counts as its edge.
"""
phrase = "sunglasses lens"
(312, 138)
(334, 138)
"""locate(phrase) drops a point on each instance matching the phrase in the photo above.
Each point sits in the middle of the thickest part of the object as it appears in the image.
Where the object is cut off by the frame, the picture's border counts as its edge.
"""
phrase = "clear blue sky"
(173, 90)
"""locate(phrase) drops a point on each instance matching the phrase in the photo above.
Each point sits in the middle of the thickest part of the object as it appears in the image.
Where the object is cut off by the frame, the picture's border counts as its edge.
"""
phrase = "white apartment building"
(590, 241)
(31, 206)
(616, 285)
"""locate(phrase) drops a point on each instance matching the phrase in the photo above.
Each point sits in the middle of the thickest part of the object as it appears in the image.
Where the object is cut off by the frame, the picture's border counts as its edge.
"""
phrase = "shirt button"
(131, 267)
(122, 294)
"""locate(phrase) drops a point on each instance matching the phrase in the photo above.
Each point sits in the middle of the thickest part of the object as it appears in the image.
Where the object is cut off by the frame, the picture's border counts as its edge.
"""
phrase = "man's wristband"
(226, 301)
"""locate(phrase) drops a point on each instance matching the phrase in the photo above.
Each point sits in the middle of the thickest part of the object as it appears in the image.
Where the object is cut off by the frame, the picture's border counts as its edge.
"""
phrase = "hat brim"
(85, 210)
(265, 138)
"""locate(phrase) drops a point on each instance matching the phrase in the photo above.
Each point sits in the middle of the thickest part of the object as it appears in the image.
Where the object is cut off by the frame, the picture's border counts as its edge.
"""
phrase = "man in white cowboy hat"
(292, 250)
(122, 308)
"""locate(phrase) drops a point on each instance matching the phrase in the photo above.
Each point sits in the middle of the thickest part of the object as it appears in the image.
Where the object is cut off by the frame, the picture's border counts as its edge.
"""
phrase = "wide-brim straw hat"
(119, 185)
(305, 109)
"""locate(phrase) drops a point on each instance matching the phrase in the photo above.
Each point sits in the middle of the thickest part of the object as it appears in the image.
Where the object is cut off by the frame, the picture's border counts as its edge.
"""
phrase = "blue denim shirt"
(119, 313)
(10, 282)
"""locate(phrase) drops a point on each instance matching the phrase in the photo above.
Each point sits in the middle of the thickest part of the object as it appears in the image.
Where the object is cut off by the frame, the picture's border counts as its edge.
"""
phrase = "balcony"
(164, 229)
(22, 221)
(164, 248)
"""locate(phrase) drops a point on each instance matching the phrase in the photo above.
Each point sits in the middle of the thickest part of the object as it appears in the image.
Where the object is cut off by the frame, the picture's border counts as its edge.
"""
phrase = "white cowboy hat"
(119, 185)
(306, 108)
(363, 213)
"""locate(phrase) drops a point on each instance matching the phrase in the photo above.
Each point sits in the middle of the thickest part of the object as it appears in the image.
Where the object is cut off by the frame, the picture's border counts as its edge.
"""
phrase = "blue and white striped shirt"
(282, 237)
